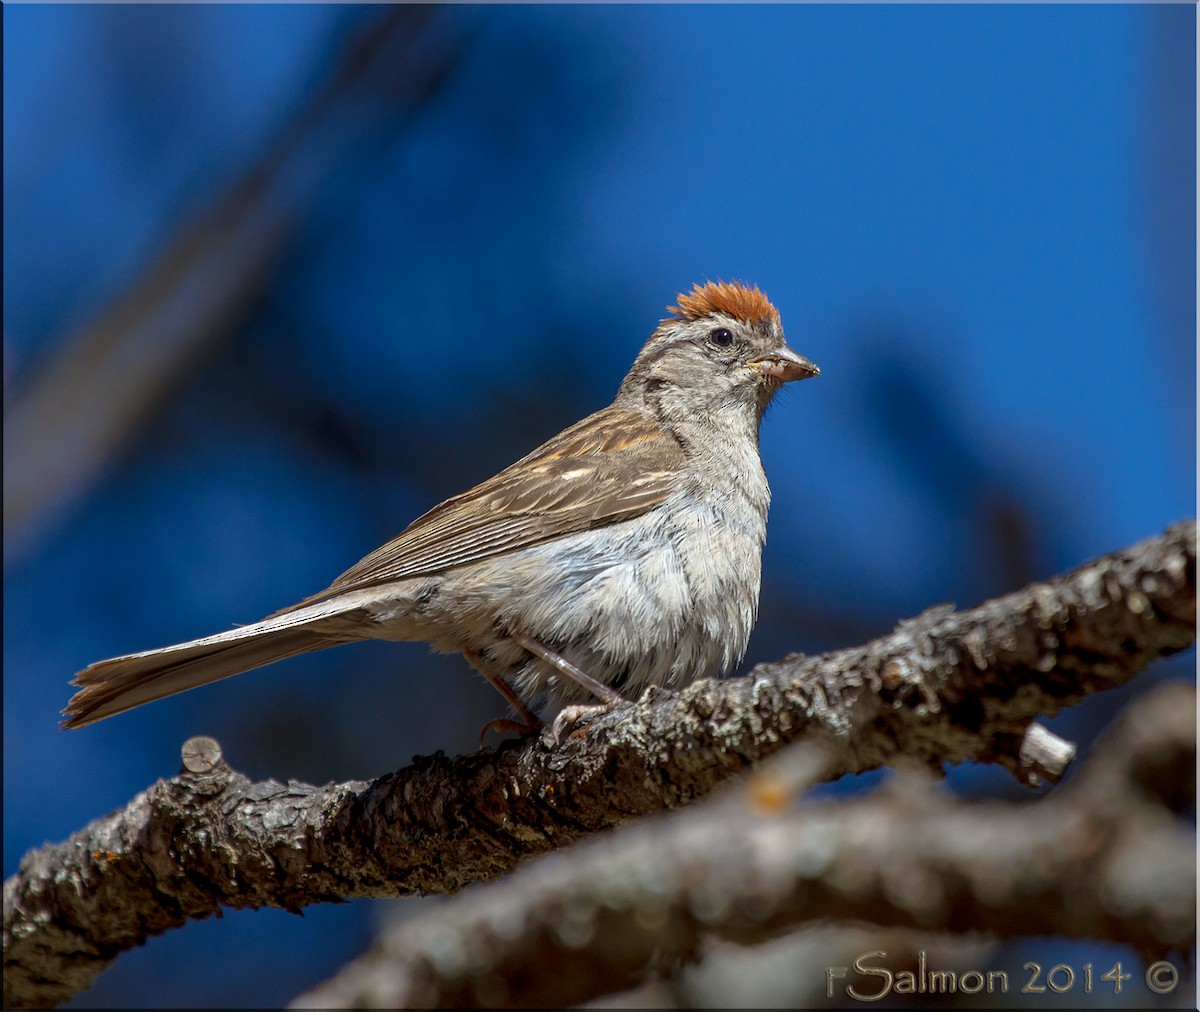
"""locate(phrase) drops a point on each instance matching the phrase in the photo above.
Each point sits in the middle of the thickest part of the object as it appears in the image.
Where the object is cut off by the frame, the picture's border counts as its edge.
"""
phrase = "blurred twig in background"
(102, 382)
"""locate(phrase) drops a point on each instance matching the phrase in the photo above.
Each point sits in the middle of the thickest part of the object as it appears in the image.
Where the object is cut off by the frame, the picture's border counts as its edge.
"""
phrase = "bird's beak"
(783, 365)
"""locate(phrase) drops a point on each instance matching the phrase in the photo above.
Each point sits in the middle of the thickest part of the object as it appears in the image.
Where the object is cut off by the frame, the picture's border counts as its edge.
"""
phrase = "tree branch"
(945, 687)
(1103, 859)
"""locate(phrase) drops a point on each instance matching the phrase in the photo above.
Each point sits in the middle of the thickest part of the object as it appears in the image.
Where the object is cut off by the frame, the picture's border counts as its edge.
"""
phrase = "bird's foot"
(570, 716)
(528, 722)
(502, 725)
(565, 722)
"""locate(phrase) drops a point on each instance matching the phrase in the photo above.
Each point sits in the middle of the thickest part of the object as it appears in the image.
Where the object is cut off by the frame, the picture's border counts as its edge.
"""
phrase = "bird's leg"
(598, 689)
(571, 715)
(529, 722)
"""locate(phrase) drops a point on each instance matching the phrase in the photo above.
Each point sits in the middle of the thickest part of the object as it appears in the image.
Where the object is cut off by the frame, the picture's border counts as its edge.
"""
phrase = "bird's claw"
(502, 724)
(571, 715)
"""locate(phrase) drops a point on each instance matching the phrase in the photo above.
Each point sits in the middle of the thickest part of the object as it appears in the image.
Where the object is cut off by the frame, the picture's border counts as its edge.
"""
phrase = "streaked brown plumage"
(611, 466)
(628, 545)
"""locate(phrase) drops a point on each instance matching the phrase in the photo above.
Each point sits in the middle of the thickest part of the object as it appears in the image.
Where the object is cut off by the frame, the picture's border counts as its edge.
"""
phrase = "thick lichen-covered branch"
(945, 687)
(1106, 858)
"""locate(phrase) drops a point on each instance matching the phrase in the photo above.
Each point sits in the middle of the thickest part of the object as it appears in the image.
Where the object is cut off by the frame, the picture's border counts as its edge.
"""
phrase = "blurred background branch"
(65, 420)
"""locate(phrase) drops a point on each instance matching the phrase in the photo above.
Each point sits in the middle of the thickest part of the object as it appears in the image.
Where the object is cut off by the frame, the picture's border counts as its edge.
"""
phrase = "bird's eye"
(721, 337)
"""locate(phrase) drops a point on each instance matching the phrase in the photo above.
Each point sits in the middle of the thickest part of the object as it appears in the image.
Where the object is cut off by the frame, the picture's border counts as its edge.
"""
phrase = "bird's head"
(721, 350)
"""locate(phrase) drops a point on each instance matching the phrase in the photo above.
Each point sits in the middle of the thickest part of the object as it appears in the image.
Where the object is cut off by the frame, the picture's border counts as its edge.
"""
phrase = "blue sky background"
(978, 220)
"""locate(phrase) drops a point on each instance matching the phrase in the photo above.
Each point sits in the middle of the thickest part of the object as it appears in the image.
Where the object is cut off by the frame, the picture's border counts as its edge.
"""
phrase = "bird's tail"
(121, 683)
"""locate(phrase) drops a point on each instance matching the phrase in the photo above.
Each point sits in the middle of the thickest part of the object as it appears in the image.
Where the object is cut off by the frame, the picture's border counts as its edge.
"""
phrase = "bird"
(623, 552)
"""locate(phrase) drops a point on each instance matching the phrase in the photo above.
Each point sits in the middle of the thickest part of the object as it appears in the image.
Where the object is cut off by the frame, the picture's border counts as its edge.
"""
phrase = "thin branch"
(1102, 859)
(945, 687)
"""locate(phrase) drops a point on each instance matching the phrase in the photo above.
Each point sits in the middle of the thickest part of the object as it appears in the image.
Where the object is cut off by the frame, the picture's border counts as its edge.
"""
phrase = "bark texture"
(1105, 858)
(945, 687)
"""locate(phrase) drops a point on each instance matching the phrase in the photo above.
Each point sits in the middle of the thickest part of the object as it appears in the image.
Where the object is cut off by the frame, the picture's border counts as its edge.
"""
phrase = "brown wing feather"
(613, 465)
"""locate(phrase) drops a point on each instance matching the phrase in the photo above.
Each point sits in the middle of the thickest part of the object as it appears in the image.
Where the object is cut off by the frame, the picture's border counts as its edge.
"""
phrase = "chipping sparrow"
(622, 553)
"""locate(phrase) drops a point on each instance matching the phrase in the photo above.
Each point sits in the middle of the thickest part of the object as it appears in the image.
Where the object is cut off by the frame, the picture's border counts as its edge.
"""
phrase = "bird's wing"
(612, 466)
